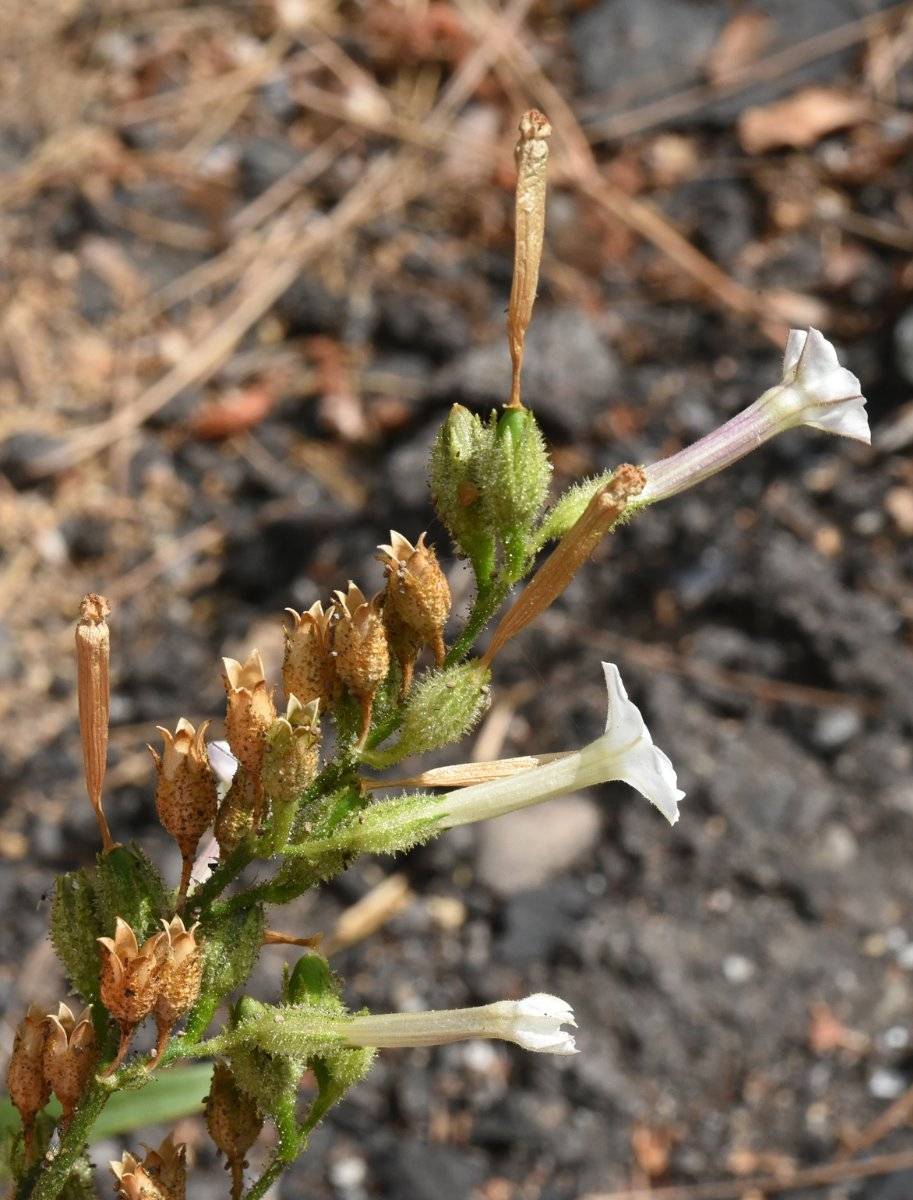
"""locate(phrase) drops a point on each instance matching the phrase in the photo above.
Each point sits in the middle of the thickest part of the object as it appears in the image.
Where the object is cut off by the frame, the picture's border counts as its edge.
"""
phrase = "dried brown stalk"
(531, 154)
(272, 937)
(465, 774)
(568, 557)
(93, 652)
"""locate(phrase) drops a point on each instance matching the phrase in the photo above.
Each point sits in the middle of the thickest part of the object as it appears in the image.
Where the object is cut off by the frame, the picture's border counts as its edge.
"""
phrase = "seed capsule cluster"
(161, 1175)
(52, 1052)
(161, 978)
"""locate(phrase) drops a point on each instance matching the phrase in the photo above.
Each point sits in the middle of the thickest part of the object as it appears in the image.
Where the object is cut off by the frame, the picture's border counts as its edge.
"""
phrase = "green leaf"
(176, 1093)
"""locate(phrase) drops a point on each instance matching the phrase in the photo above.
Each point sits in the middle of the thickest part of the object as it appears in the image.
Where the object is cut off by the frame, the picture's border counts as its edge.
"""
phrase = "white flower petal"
(650, 771)
(222, 761)
(818, 355)
(535, 1024)
(849, 420)
(795, 344)
(638, 761)
(817, 391)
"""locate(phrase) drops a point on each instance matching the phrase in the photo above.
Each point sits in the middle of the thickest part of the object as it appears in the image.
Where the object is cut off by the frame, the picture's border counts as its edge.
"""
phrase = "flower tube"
(815, 391)
(625, 751)
(534, 1023)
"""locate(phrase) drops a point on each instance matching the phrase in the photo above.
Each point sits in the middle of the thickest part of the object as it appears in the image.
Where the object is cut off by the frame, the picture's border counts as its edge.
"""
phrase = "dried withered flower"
(417, 591)
(93, 652)
(531, 154)
(250, 710)
(161, 1175)
(599, 516)
(70, 1054)
(168, 1167)
(362, 652)
(234, 1122)
(308, 669)
(28, 1084)
(131, 977)
(186, 796)
(179, 979)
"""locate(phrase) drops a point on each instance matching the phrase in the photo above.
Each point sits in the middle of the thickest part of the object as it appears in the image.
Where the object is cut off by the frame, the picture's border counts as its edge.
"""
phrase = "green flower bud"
(128, 886)
(443, 706)
(312, 982)
(74, 928)
(517, 473)
(455, 477)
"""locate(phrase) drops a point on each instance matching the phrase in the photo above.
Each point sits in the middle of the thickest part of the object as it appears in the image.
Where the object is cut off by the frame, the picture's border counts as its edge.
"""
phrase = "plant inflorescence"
(281, 796)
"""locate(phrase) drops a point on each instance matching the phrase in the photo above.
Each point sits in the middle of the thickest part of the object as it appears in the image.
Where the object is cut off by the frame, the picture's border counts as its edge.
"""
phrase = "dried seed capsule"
(161, 1175)
(405, 646)
(234, 1122)
(186, 796)
(131, 976)
(28, 1085)
(180, 977)
(250, 710)
(308, 669)
(362, 653)
(168, 1167)
(70, 1054)
(238, 811)
(417, 591)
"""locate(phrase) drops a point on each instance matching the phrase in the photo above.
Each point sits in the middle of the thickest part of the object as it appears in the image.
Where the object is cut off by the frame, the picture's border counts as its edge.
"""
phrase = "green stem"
(224, 874)
(488, 599)
(48, 1178)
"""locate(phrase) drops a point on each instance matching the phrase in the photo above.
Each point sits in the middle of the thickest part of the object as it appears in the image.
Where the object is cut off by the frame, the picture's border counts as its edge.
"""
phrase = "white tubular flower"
(815, 390)
(534, 1023)
(624, 752)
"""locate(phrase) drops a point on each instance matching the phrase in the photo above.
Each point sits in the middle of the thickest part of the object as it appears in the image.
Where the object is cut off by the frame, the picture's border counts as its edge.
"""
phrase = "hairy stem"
(48, 1178)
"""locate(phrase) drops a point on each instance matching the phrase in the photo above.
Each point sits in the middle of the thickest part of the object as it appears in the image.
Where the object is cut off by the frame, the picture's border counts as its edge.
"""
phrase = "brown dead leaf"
(826, 1032)
(232, 414)
(801, 119)
(651, 1148)
(743, 39)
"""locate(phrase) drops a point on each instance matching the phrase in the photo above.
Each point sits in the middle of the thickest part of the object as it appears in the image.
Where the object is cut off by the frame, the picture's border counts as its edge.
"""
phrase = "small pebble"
(737, 968)
(886, 1085)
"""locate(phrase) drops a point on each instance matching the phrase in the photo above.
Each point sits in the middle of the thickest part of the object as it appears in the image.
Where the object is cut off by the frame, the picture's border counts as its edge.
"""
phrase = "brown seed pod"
(131, 977)
(250, 710)
(417, 590)
(186, 796)
(168, 1167)
(308, 669)
(161, 1175)
(238, 811)
(180, 978)
(405, 646)
(234, 1122)
(28, 1084)
(70, 1055)
(362, 653)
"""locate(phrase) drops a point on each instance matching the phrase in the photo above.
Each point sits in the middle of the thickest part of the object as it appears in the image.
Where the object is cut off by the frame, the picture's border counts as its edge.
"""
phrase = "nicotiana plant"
(276, 798)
